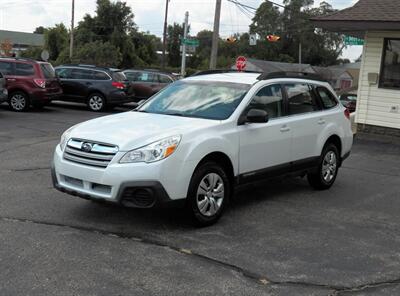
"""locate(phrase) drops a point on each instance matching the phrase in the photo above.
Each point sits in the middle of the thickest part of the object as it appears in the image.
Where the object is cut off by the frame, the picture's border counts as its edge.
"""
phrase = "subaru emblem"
(87, 147)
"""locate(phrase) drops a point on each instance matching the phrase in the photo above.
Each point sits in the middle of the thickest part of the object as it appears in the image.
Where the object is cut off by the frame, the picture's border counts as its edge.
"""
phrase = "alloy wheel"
(18, 102)
(329, 166)
(210, 194)
(96, 103)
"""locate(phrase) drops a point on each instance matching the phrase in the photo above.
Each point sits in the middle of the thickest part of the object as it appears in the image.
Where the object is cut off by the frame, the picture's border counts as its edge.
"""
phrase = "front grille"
(89, 153)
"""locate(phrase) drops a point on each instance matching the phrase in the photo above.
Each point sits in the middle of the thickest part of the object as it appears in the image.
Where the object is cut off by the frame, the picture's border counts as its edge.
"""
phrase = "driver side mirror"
(254, 116)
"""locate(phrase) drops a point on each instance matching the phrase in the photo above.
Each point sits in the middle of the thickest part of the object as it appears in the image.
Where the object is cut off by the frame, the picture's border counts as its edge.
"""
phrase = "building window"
(390, 71)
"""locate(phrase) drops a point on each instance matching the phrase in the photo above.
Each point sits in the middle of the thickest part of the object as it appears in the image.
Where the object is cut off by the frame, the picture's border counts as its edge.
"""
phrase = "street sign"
(241, 63)
(252, 39)
(349, 40)
(190, 42)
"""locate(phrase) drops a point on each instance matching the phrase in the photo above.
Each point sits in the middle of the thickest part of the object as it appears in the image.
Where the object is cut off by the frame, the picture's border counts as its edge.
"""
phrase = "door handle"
(321, 121)
(285, 128)
(10, 79)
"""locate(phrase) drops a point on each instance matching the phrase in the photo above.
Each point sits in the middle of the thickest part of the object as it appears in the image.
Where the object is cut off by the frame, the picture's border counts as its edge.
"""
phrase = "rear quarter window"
(327, 98)
(48, 71)
(119, 76)
(24, 69)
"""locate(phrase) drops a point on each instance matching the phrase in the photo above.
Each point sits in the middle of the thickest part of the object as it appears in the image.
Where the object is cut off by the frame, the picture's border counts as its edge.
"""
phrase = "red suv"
(29, 82)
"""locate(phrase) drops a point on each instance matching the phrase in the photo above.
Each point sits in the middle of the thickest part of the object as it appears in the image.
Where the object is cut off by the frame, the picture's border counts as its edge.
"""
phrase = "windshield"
(210, 100)
(48, 71)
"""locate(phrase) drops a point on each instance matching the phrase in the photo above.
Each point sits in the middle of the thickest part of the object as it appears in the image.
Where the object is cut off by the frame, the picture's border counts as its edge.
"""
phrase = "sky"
(26, 15)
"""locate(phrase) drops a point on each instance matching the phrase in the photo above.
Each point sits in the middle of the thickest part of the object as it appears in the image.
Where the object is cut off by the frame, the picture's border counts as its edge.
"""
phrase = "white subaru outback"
(196, 140)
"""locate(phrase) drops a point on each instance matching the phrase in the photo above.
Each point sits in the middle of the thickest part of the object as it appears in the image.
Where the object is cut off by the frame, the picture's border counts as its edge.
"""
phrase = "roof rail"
(221, 71)
(298, 75)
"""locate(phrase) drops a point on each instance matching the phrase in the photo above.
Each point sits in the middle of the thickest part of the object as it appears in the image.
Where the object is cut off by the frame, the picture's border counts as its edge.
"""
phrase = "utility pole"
(165, 33)
(300, 58)
(183, 66)
(71, 42)
(214, 48)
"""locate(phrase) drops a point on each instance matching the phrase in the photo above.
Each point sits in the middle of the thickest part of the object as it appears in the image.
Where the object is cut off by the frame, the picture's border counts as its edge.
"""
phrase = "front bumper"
(124, 185)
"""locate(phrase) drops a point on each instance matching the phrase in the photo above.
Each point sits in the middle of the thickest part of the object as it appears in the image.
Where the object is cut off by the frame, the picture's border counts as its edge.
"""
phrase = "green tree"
(98, 53)
(174, 35)
(56, 40)
(112, 23)
(39, 30)
(32, 52)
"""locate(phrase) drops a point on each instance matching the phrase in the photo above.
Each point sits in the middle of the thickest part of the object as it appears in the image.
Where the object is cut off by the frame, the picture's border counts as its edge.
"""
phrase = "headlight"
(65, 138)
(153, 152)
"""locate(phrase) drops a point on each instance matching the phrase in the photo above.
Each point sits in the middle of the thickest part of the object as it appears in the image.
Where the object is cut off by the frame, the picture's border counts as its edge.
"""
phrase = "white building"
(378, 23)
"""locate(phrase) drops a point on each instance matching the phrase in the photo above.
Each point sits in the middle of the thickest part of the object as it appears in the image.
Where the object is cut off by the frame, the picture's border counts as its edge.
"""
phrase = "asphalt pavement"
(277, 238)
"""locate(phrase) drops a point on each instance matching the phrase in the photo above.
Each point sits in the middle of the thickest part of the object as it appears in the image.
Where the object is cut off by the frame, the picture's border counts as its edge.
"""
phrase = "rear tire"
(328, 167)
(96, 102)
(208, 193)
(19, 101)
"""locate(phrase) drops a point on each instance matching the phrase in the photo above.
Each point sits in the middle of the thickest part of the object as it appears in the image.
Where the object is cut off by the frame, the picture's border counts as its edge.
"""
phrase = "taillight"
(347, 113)
(118, 85)
(40, 82)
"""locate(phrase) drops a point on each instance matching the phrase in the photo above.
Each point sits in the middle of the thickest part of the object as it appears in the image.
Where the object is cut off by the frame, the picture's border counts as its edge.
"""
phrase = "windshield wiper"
(174, 114)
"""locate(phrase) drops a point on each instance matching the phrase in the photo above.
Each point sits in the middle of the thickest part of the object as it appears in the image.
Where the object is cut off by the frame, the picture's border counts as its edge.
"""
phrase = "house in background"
(270, 67)
(338, 76)
(378, 23)
(20, 40)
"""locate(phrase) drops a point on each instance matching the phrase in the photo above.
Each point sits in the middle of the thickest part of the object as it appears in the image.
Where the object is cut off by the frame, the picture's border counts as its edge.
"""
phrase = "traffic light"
(272, 38)
(231, 39)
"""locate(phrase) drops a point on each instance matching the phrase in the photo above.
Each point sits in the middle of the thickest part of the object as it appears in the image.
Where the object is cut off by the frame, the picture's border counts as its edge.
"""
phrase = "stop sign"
(240, 63)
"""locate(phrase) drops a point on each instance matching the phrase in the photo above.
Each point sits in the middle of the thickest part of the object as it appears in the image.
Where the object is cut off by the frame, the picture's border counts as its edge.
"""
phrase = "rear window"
(118, 76)
(6, 68)
(24, 69)
(48, 71)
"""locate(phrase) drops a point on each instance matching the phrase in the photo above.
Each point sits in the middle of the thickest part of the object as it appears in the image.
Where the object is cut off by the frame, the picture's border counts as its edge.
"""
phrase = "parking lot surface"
(277, 238)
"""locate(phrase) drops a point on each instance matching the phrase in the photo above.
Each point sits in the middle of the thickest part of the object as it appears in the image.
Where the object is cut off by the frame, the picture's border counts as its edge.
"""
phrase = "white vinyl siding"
(374, 103)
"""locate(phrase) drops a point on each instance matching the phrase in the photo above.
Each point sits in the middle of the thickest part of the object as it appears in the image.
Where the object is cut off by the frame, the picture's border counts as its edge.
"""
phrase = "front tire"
(209, 191)
(19, 101)
(327, 171)
(96, 102)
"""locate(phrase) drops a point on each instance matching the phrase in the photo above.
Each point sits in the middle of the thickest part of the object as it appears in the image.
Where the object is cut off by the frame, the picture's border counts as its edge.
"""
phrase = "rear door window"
(327, 98)
(147, 77)
(82, 74)
(63, 73)
(6, 68)
(48, 71)
(300, 98)
(24, 69)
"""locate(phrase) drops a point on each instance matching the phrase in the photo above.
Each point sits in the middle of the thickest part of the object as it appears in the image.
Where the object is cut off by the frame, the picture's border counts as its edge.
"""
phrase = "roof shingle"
(367, 10)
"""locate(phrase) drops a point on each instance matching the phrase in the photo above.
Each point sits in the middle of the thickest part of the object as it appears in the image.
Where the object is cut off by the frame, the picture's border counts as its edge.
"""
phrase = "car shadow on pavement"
(175, 219)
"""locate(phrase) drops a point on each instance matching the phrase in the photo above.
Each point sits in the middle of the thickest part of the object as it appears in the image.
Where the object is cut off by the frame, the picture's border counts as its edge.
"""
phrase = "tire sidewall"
(98, 95)
(198, 175)
(26, 97)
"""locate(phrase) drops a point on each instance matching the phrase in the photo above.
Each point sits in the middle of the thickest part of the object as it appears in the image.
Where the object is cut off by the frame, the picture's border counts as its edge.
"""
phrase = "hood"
(130, 130)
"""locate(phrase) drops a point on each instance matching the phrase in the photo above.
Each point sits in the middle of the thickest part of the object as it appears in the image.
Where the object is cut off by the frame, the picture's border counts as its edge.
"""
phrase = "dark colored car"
(3, 89)
(97, 87)
(148, 82)
(349, 101)
(29, 82)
